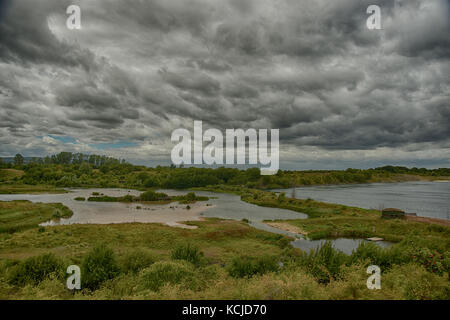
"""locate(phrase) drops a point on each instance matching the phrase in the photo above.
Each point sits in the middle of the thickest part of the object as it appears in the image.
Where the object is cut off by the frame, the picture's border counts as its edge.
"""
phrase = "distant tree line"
(68, 169)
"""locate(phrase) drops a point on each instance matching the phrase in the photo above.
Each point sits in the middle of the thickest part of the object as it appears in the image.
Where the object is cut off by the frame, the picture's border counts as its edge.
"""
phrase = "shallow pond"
(220, 205)
(342, 244)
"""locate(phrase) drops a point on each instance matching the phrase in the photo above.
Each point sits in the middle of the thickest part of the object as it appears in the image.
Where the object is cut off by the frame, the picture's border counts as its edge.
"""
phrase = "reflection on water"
(342, 244)
(427, 199)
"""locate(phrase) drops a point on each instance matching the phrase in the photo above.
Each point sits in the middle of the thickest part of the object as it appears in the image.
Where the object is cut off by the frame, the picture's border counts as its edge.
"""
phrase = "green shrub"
(248, 266)
(35, 269)
(80, 199)
(171, 272)
(153, 196)
(98, 265)
(136, 260)
(127, 198)
(433, 261)
(57, 214)
(191, 196)
(103, 199)
(324, 263)
(189, 253)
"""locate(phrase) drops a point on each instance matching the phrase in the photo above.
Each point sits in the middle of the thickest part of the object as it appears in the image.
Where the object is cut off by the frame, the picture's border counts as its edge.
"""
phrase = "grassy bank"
(29, 189)
(328, 221)
(218, 260)
(21, 215)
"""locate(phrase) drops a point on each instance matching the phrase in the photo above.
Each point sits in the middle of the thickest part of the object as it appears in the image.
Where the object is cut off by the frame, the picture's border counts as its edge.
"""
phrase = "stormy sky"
(342, 95)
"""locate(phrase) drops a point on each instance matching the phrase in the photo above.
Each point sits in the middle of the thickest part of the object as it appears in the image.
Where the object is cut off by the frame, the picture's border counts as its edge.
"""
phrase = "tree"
(85, 168)
(18, 160)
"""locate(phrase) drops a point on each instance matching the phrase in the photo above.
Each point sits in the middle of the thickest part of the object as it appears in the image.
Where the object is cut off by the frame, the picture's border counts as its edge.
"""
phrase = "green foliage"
(136, 260)
(80, 199)
(324, 263)
(189, 253)
(153, 196)
(103, 199)
(190, 196)
(99, 265)
(126, 198)
(167, 272)
(385, 258)
(20, 215)
(433, 261)
(18, 160)
(249, 266)
(78, 170)
(35, 269)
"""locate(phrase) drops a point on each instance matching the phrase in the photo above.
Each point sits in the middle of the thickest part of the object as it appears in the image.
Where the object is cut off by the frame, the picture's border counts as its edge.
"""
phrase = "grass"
(226, 259)
(330, 221)
(29, 189)
(21, 215)
(143, 261)
(10, 174)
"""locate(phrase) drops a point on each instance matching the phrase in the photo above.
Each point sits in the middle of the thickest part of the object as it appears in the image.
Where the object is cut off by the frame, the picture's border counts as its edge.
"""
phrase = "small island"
(151, 197)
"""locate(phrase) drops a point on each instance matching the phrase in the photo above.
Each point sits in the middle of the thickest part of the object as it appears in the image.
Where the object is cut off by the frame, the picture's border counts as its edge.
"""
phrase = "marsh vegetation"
(219, 259)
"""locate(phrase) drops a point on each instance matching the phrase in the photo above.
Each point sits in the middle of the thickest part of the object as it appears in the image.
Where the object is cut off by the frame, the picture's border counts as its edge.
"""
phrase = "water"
(226, 206)
(220, 205)
(426, 199)
(343, 244)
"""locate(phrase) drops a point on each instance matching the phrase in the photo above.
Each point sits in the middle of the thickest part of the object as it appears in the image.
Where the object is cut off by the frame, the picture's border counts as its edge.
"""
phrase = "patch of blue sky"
(64, 139)
(113, 145)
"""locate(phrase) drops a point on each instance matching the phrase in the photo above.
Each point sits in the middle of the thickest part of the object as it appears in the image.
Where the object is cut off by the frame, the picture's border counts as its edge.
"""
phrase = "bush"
(324, 263)
(189, 253)
(127, 198)
(191, 196)
(36, 269)
(98, 266)
(248, 266)
(136, 260)
(80, 199)
(103, 199)
(163, 272)
(153, 196)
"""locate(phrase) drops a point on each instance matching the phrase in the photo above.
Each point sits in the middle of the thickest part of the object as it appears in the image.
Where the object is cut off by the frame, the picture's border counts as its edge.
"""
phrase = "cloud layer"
(341, 95)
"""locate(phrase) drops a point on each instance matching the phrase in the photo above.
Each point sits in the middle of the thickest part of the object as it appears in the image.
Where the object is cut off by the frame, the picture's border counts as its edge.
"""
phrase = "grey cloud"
(140, 69)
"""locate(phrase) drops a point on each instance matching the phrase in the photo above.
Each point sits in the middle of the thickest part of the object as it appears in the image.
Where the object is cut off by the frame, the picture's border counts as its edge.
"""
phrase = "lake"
(426, 199)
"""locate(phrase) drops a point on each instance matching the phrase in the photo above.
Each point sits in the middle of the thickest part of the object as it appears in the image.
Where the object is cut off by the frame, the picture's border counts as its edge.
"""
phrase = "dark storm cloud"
(139, 69)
